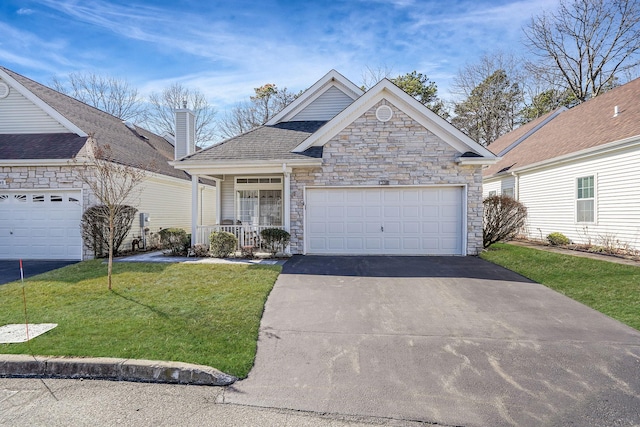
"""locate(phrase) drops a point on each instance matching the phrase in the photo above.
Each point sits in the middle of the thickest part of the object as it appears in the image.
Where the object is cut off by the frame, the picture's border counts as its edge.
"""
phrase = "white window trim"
(255, 186)
(595, 199)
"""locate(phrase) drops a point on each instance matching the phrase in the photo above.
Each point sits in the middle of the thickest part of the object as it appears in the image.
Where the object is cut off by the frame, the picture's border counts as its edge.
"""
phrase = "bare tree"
(586, 44)
(372, 75)
(160, 116)
(111, 183)
(109, 94)
(267, 101)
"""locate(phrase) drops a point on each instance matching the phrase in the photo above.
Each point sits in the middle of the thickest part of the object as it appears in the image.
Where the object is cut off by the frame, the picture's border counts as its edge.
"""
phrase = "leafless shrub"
(95, 227)
(503, 218)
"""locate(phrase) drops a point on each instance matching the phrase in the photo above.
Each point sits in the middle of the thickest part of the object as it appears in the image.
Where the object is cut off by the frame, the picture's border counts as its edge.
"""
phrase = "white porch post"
(218, 200)
(287, 203)
(195, 204)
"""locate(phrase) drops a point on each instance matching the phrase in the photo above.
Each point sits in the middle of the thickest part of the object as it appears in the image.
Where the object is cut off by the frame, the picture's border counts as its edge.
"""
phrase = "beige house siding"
(400, 151)
(20, 115)
(166, 200)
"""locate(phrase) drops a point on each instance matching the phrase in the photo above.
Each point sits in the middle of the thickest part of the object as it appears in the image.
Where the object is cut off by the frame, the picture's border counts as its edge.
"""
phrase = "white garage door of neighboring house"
(40, 225)
(384, 221)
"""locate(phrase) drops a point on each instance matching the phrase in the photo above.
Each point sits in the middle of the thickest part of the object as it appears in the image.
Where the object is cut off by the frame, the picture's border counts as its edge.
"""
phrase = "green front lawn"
(612, 289)
(206, 314)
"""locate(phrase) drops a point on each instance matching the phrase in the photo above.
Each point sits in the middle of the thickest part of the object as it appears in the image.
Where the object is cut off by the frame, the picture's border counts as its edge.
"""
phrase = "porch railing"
(248, 235)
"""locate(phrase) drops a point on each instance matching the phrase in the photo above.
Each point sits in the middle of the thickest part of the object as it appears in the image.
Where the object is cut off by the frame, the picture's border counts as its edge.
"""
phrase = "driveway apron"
(446, 340)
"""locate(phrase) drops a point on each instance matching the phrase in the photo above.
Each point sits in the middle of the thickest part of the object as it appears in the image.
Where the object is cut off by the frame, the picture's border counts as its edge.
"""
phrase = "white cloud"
(24, 11)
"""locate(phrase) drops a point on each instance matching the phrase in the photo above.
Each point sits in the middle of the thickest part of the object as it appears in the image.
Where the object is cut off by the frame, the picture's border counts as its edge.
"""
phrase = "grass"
(610, 288)
(206, 314)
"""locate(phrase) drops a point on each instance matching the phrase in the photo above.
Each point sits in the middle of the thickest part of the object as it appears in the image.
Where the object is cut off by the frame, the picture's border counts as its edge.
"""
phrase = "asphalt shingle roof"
(587, 125)
(40, 146)
(264, 143)
(127, 148)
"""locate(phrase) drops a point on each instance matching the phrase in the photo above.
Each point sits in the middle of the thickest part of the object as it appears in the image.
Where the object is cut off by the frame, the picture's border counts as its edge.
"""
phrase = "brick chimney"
(185, 141)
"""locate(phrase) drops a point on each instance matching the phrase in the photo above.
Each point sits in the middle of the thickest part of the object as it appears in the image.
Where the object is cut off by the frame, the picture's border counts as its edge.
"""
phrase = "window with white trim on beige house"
(585, 199)
(259, 201)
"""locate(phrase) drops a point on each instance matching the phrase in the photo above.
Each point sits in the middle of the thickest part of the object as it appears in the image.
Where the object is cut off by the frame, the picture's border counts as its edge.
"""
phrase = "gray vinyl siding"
(325, 107)
(20, 115)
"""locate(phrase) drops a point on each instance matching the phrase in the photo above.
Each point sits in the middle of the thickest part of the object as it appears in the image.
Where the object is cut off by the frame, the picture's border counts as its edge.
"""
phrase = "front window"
(585, 199)
(507, 191)
(259, 201)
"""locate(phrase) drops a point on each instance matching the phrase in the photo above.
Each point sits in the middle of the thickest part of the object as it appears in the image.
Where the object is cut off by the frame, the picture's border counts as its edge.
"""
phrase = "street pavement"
(446, 340)
(52, 403)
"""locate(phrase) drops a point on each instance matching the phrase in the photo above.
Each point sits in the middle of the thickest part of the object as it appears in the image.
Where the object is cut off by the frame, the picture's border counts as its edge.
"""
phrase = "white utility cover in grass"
(17, 333)
(384, 221)
(40, 225)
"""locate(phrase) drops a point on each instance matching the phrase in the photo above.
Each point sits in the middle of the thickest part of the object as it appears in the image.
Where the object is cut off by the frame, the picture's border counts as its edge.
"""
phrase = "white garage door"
(384, 221)
(40, 225)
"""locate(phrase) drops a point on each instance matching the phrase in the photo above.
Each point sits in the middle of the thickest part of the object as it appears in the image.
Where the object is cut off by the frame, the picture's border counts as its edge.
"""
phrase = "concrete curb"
(105, 368)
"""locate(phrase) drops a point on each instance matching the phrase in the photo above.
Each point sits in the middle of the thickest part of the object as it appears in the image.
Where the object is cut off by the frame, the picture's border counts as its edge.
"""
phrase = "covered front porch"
(248, 200)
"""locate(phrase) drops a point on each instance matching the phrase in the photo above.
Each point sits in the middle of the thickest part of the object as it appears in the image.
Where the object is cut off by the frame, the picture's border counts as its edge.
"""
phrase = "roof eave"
(588, 152)
(466, 161)
(36, 162)
(243, 166)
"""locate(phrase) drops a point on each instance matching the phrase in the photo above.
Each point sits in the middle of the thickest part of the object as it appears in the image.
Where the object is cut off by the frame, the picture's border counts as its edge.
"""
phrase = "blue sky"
(226, 48)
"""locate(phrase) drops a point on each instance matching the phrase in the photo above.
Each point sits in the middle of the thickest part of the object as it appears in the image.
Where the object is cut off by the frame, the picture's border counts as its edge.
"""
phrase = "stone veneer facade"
(47, 178)
(400, 151)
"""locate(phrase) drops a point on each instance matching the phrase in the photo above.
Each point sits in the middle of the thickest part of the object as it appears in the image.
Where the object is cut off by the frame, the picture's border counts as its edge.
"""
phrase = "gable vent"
(384, 113)
(4, 90)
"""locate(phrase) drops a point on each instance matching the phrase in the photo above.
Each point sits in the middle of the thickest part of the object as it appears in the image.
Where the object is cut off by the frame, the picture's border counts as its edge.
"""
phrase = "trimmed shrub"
(558, 239)
(174, 241)
(199, 250)
(275, 239)
(95, 228)
(223, 244)
(504, 217)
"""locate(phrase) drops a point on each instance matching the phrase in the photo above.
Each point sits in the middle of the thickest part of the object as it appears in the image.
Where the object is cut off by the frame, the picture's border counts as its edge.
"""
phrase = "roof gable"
(592, 125)
(321, 102)
(39, 103)
(129, 147)
(385, 89)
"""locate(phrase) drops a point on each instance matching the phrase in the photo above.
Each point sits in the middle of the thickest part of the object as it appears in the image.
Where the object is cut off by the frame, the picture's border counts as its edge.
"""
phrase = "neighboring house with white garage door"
(350, 172)
(577, 171)
(41, 196)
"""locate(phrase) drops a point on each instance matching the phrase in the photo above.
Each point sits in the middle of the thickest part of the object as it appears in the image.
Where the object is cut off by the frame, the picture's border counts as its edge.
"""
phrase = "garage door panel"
(392, 227)
(42, 225)
(335, 211)
(372, 211)
(410, 211)
(372, 227)
(373, 197)
(409, 221)
(391, 211)
(355, 228)
(373, 244)
(411, 227)
(354, 211)
(335, 228)
(335, 243)
(355, 243)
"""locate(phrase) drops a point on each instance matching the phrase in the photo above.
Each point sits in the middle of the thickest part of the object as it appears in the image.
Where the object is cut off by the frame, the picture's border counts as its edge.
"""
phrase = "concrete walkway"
(450, 341)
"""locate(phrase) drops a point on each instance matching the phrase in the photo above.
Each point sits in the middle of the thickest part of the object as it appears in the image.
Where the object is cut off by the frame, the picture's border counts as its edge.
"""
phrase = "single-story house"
(349, 172)
(42, 198)
(576, 170)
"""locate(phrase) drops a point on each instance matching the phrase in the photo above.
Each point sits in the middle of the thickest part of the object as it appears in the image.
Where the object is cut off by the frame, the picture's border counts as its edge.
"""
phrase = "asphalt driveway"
(447, 340)
(10, 269)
